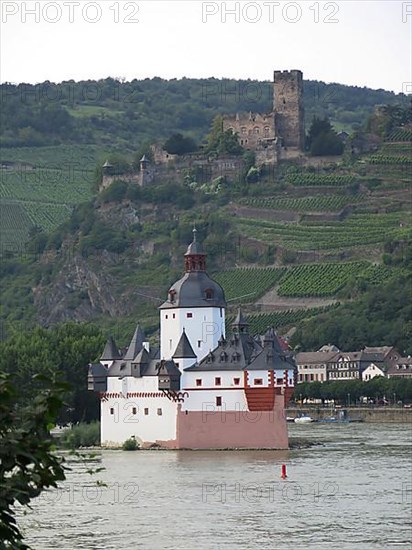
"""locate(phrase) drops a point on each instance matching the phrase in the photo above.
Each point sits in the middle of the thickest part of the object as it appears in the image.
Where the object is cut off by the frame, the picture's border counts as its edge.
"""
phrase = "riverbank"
(394, 415)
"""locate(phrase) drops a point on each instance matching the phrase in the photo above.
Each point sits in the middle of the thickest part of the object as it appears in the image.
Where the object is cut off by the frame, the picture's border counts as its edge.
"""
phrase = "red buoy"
(283, 474)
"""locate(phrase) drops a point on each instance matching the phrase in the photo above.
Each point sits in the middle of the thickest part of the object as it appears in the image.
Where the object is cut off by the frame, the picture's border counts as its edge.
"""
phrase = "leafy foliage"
(178, 144)
(322, 139)
(377, 388)
(64, 350)
(81, 435)
(381, 316)
(222, 142)
(27, 463)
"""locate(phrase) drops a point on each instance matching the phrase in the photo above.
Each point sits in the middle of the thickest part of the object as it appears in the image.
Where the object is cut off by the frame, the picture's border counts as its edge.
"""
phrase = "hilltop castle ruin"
(279, 134)
(274, 136)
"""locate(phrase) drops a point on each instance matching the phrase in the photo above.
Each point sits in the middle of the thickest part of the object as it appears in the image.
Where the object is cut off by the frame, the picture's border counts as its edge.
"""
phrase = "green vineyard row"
(323, 203)
(388, 159)
(320, 179)
(400, 135)
(247, 284)
(259, 322)
(356, 230)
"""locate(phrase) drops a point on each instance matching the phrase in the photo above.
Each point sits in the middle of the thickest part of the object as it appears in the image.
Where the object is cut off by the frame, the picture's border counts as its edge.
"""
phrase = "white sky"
(368, 44)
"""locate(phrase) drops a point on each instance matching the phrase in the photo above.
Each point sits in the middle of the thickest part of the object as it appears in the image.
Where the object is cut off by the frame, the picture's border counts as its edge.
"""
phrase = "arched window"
(209, 294)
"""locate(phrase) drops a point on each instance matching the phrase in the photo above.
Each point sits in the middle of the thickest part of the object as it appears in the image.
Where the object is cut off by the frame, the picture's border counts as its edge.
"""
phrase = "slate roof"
(97, 370)
(195, 248)
(135, 345)
(168, 367)
(242, 352)
(190, 291)
(184, 349)
(314, 357)
(110, 351)
(240, 320)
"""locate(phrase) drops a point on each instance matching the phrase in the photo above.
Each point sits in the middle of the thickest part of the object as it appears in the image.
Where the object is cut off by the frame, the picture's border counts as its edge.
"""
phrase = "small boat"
(305, 419)
(290, 419)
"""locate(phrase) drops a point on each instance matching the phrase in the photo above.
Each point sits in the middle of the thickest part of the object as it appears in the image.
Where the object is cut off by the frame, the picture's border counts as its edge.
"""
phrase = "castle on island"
(273, 137)
(202, 388)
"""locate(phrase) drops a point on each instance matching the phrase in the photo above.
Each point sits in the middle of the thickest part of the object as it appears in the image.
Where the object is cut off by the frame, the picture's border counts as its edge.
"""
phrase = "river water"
(352, 490)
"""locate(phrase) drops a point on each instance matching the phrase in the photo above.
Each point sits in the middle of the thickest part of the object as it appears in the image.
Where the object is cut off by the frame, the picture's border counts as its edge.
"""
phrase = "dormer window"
(172, 295)
(209, 294)
(223, 357)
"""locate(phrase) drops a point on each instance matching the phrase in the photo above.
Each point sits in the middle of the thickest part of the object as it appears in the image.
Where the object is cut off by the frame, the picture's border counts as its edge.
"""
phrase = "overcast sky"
(363, 43)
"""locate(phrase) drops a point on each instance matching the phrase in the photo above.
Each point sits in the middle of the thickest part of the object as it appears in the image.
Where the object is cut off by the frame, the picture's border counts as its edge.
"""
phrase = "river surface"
(352, 490)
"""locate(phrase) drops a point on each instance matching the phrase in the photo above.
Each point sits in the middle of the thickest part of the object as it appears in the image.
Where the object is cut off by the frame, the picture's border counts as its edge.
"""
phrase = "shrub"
(130, 444)
(82, 435)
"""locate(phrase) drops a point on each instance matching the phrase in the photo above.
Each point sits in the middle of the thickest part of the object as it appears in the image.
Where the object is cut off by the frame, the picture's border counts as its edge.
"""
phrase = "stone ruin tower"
(288, 108)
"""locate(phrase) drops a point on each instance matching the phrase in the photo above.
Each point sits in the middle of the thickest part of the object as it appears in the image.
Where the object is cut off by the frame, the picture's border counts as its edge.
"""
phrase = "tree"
(27, 463)
(65, 350)
(178, 144)
(222, 142)
(322, 138)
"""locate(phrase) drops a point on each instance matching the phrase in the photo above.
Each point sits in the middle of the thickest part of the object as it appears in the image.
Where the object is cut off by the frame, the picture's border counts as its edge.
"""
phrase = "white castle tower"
(195, 306)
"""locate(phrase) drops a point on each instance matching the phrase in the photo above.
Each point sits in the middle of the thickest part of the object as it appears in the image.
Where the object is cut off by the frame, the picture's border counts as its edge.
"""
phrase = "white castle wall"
(203, 329)
(118, 421)
(203, 397)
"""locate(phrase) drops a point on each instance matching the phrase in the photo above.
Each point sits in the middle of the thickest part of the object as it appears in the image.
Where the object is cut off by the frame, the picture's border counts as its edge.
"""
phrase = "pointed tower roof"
(184, 349)
(240, 323)
(135, 345)
(111, 351)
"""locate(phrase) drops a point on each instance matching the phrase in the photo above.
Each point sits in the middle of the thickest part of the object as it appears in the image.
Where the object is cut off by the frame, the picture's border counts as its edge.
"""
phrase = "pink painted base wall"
(233, 429)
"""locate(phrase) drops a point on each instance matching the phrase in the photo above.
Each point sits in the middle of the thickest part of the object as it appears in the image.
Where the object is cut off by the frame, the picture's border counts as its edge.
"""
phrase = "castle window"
(236, 381)
(218, 381)
(199, 343)
(218, 401)
(189, 315)
(174, 315)
(258, 382)
(266, 131)
(146, 412)
(134, 410)
(111, 410)
(170, 344)
(198, 381)
(279, 381)
(209, 294)
(243, 130)
(223, 356)
(256, 130)
(166, 316)
(159, 412)
(249, 132)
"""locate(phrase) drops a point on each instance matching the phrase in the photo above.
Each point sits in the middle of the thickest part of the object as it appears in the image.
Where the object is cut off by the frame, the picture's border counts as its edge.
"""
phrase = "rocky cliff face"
(82, 288)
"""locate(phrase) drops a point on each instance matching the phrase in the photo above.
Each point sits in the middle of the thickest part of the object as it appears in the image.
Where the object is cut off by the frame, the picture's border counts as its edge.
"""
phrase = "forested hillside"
(314, 246)
(122, 115)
